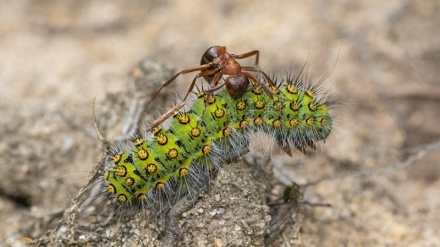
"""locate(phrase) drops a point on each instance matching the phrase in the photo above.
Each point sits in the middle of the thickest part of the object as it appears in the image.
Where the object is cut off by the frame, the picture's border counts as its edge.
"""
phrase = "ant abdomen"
(209, 56)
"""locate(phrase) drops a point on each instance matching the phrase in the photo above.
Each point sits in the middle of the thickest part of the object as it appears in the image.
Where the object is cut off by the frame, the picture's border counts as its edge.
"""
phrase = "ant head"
(237, 85)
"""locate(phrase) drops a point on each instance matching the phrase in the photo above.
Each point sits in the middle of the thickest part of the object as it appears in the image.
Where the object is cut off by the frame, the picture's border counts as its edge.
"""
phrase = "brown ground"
(378, 172)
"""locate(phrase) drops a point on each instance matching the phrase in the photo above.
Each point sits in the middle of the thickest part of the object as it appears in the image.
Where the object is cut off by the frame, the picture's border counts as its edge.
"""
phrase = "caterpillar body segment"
(178, 160)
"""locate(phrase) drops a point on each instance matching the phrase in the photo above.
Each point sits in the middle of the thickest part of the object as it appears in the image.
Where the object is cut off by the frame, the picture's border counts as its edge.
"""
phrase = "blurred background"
(382, 59)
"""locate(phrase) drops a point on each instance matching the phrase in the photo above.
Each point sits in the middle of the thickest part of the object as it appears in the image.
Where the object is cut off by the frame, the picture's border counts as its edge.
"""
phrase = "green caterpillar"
(176, 161)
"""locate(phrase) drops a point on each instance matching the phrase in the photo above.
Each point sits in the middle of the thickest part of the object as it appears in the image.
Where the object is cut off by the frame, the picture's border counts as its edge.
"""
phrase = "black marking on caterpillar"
(177, 161)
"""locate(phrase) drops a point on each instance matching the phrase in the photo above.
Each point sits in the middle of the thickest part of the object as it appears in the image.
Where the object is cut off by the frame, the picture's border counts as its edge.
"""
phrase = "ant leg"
(266, 77)
(214, 81)
(258, 70)
(177, 107)
(201, 74)
(166, 115)
(249, 54)
(208, 97)
(211, 91)
(185, 71)
(258, 83)
(215, 88)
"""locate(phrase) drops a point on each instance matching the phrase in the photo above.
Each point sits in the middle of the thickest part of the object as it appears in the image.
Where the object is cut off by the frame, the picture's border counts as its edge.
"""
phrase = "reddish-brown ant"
(215, 62)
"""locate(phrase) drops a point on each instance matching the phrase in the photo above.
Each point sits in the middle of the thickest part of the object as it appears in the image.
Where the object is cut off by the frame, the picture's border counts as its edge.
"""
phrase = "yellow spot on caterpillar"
(294, 106)
(227, 131)
(142, 197)
(156, 130)
(173, 153)
(277, 123)
(183, 172)
(244, 124)
(324, 121)
(312, 106)
(111, 189)
(310, 121)
(106, 175)
(159, 185)
(258, 121)
(278, 105)
(162, 139)
(151, 168)
(292, 89)
(121, 171)
(129, 181)
(259, 104)
(117, 158)
(324, 107)
(206, 149)
(274, 90)
(310, 93)
(196, 132)
(293, 122)
(240, 105)
(258, 90)
(139, 142)
(211, 100)
(122, 198)
(200, 95)
(143, 154)
(183, 118)
(219, 113)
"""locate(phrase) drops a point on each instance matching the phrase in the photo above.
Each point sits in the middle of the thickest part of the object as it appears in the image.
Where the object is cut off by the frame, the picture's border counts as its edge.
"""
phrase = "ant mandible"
(215, 62)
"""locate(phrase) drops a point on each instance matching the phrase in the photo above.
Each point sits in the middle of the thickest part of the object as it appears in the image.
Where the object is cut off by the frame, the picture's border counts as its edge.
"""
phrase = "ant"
(215, 62)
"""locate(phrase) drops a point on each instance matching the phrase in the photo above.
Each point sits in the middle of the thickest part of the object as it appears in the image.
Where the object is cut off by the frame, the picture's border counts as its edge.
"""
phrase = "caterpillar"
(157, 167)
